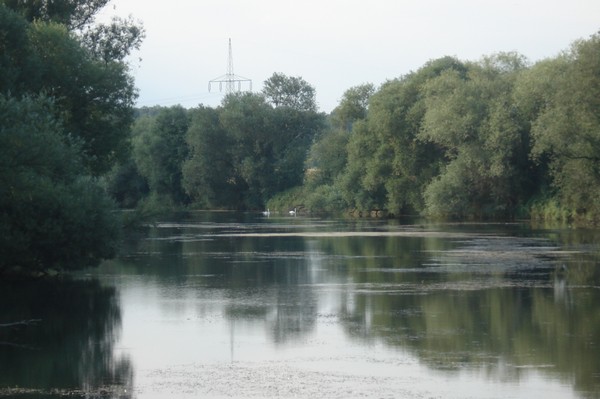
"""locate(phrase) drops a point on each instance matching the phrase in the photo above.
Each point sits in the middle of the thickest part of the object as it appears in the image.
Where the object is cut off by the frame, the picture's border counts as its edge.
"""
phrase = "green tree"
(388, 165)
(473, 118)
(74, 14)
(293, 133)
(361, 184)
(94, 93)
(327, 157)
(245, 151)
(288, 91)
(125, 184)
(245, 118)
(209, 174)
(353, 106)
(160, 151)
(64, 117)
(14, 49)
(563, 95)
(51, 216)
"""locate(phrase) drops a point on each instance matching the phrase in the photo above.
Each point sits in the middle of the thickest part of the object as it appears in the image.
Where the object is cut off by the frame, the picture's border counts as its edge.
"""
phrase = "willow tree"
(388, 164)
(562, 96)
(473, 118)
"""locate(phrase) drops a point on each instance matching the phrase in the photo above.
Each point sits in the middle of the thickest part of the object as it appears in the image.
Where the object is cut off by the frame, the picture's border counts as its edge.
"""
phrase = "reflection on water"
(226, 304)
(65, 344)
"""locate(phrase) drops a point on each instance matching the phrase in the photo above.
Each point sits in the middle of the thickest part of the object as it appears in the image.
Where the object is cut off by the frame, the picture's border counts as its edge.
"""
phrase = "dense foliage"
(497, 138)
(235, 156)
(65, 111)
(494, 138)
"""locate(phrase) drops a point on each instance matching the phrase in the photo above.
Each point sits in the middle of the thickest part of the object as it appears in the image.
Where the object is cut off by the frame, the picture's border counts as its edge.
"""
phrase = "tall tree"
(209, 174)
(564, 94)
(245, 151)
(472, 117)
(64, 115)
(388, 165)
(160, 151)
(93, 90)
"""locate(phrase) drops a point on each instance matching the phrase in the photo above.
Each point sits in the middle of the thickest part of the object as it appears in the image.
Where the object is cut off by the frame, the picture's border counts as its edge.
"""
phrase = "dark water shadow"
(66, 343)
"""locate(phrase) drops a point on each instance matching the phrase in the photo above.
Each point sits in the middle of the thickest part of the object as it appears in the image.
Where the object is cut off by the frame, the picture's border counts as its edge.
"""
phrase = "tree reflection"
(71, 350)
(504, 313)
(499, 301)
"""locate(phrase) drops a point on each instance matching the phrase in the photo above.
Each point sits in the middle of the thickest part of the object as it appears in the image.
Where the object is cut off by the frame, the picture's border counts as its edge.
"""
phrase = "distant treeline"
(496, 138)
(236, 156)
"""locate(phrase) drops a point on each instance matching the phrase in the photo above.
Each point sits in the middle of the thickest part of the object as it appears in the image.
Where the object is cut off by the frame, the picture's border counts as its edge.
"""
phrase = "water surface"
(240, 305)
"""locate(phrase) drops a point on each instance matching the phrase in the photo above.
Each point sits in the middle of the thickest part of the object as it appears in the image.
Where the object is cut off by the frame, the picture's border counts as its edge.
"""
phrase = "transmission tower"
(232, 82)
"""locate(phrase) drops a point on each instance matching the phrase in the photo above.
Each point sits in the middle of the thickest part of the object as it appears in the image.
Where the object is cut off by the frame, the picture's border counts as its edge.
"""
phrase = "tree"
(327, 157)
(65, 114)
(472, 117)
(94, 93)
(51, 216)
(293, 132)
(209, 174)
(388, 165)
(353, 106)
(245, 151)
(74, 14)
(563, 97)
(125, 184)
(287, 91)
(160, 151)
(362, 187)
(115, 41)
(14, 48)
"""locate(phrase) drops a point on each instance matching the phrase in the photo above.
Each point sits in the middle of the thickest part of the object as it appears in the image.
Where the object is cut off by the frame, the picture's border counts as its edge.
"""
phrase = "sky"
(333, 44)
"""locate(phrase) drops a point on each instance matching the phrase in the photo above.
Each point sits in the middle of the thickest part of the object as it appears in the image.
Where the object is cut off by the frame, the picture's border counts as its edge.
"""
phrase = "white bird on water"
(293, 213)
(267, 212)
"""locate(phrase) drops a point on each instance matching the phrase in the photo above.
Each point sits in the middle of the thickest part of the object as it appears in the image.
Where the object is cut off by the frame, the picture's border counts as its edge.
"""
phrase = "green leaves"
(93, 92)
(562, 95)
(114, 41)
(73, 14)
(244, 152)
(159, 153)
(287, 91)
(65, 114)
(51, 215)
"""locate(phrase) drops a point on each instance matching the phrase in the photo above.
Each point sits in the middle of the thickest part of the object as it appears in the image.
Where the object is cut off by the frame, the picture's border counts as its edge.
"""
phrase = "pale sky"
(334, 44)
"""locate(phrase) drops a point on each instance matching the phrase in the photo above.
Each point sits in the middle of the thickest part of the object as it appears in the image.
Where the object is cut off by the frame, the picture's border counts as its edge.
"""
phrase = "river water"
(242, 305)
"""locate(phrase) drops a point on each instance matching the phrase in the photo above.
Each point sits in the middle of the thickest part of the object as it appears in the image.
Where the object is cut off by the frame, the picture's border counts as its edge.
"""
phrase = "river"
(222, 304)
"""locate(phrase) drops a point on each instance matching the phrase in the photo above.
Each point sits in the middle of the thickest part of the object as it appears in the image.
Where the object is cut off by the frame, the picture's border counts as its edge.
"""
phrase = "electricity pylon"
(230, 79)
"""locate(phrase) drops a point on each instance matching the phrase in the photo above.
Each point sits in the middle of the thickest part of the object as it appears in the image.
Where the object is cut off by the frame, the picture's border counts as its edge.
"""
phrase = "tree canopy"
(288, 91)
(493, 138)
(235, 156)
(84, 73)
(66, 105)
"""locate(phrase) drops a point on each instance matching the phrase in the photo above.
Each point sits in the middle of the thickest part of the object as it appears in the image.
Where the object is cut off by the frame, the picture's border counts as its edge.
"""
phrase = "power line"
(230, 79)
